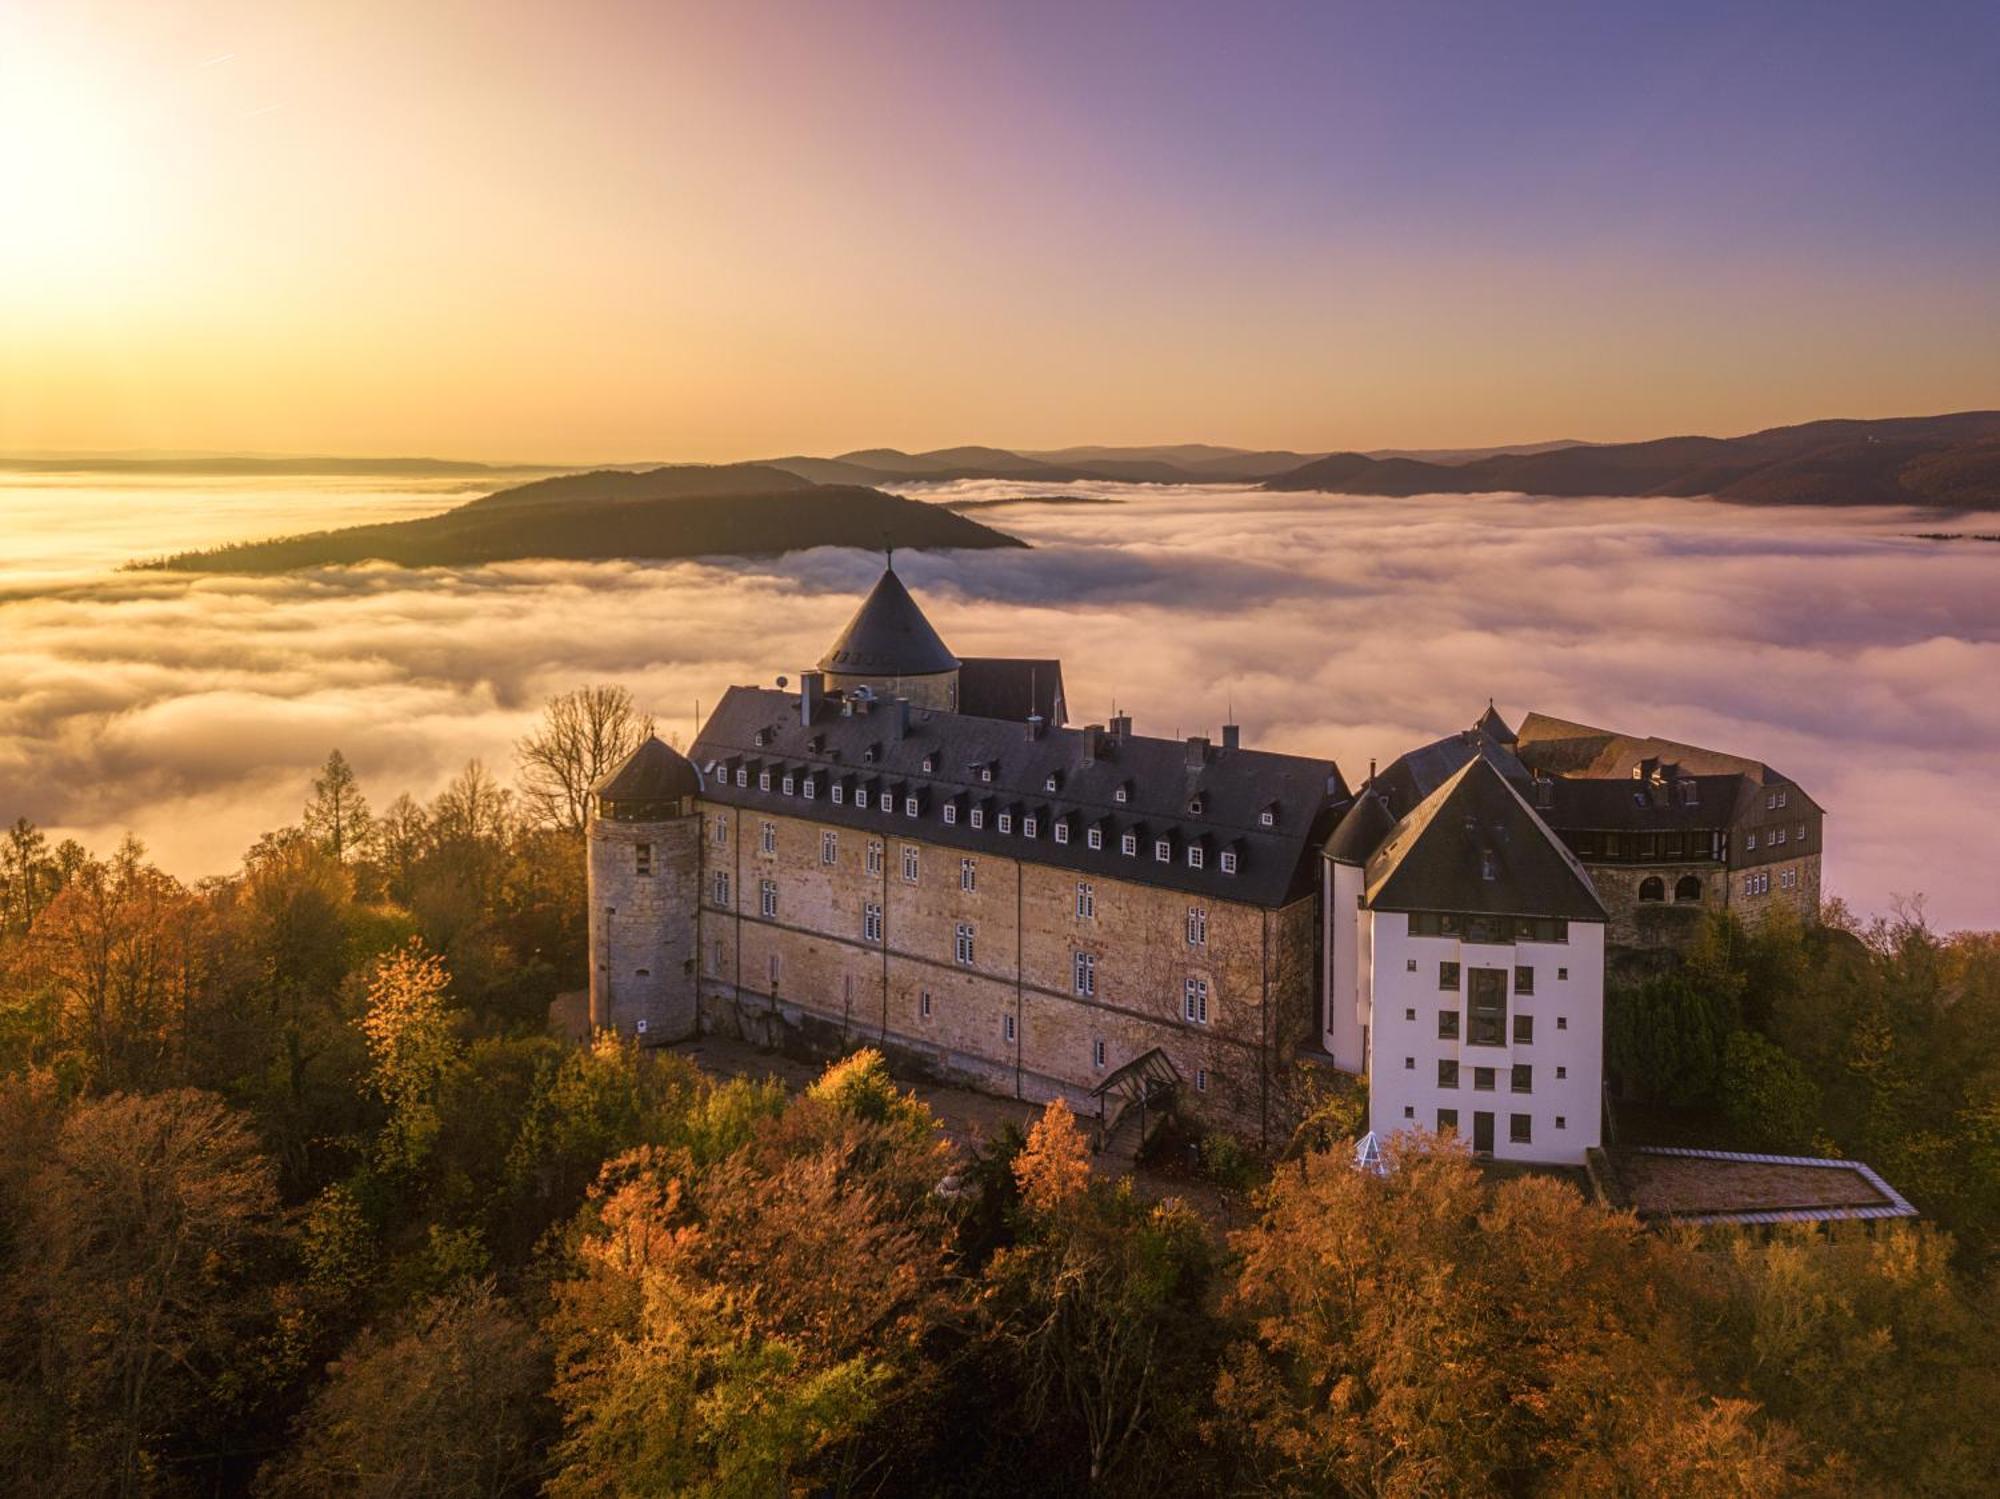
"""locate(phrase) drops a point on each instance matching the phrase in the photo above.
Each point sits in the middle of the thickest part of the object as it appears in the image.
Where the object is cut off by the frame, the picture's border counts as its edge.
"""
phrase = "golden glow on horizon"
(617, 233)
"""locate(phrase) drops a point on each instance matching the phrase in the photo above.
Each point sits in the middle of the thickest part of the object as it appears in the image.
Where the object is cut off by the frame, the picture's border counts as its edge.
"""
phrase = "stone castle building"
(916, 851)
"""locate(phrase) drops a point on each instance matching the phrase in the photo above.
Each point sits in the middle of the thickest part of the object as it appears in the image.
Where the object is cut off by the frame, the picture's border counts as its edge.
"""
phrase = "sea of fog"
(1834, 644)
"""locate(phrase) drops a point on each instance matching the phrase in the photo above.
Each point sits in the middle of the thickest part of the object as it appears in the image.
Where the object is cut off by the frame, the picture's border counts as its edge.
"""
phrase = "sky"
(1850, 654)
(603, 231)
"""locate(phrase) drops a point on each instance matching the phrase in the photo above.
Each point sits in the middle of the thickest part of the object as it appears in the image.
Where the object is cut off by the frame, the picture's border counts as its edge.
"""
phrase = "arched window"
(1688, 887)
(1652, 887)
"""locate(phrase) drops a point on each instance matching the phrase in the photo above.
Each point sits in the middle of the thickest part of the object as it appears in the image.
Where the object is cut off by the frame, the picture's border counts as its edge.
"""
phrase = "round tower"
(892, 649)
(645, 888)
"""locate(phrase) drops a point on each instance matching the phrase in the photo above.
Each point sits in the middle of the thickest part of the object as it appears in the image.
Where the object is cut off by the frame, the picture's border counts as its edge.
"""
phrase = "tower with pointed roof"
(891, 649)
(644, 877)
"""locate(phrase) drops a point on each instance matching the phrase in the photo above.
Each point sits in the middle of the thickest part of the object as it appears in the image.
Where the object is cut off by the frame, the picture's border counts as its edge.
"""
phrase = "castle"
(916, 851)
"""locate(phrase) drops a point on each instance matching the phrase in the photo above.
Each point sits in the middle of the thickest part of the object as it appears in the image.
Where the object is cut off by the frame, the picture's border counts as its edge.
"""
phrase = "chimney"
(812, 691)
(1034, 725)
(1545, 790)
(1197, 751)
(1093, 742)
(900, 726)
(1121, 726)
(1232, 736)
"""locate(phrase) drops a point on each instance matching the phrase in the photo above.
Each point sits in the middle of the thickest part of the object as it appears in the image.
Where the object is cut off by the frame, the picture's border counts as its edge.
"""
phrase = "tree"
(402, 836)
(583, 736)
(412, 1045)
(26, 875)
(1054, 1166)
(337, 816)
(139, 1233)
(1766, 1095)
(451, 1403)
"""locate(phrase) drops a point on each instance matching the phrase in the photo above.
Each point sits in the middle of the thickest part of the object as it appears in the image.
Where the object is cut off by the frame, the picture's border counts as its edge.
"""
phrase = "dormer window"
(1781, 798)
(1062, 831)
(930, 764)
(986, 774)
(811, 787)
(1195, 805)
(1051, 782)
(951, 812)
(1163, 850)
(763, 780)
(1269, 816)
(909, 806)
(791, 785)
(742, 777)
(888, 801)
(763, 736)
(839, 794)
(979, 817)
(1129, 845)
(872, 753)
(1195, 857)
(1750, 842)
(1123, 793)
(1229, 861)
(1489, 865)
(1006, 822)
(1094, 837)
(1027, 827)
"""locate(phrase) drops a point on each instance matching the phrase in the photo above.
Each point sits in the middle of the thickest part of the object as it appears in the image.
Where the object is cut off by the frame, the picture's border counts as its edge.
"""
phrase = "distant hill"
(646, 484)
(1941, 461)
(601, 522)
(238, 465)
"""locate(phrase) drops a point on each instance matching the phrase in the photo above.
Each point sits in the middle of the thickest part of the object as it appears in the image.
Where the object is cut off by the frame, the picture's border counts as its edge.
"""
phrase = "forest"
(299, 1196)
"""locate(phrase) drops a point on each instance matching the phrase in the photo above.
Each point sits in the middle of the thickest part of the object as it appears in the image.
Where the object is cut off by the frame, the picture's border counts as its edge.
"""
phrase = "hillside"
(1941, 461)
(589, 528)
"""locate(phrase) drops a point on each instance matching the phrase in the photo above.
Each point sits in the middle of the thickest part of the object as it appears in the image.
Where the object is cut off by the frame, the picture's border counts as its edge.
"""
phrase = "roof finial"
(888, 555)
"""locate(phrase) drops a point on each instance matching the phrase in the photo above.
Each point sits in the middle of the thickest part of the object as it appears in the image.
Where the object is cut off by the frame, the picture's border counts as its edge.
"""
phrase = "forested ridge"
(298, 1197)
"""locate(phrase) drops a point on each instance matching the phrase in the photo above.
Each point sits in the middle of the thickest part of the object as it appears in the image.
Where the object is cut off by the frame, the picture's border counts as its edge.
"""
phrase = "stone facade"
(643, 890)
(1666, 920)
(864, 943)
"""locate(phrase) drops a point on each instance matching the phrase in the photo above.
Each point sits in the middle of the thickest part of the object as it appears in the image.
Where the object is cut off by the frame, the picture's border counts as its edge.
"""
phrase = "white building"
(1464, 950)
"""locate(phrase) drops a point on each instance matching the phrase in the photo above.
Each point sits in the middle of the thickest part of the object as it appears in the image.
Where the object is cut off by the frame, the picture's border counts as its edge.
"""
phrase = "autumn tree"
(412, 1047)
(449, 1403)
(582, 737)
(139, 1235)
(336, 818)
(27, 875)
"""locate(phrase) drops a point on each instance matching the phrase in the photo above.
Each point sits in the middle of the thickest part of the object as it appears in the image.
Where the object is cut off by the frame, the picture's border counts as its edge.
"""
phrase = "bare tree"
(582, 737)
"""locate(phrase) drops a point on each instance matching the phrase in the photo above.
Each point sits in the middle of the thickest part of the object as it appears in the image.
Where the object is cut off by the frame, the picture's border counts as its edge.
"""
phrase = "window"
(986, 774)
(767, 837)
(1094, 837)
(772, 966)
(924, 1003)
(1062, 831)
(1097, 1055)
(1447, 1073)
(909, 866)
(1409, 1064)
(1409, 1111)
(1006, 822)
(769, 891)
(1229, 861)
(1799, 833)
(1086, 901)
(968, 874)
(1195, 856)
(1027, 827)
(1482, 1079)
(1447, 975)
(1122, 794)
(930, 764)
(1486, 1007)
(829, 847)
(718, 833)
(642, 859)
(910, 806)
(979, 817)
(1750, 842)
(742, 777)
(951, 812)
(1049, 781)
(1562, 975)
(1782, 797)
(763, 780)
(1652, 887)
(715, 958)
(1562, 1073)
(1779, 836)
(791, 785)
(1523, 1080)
(1524, 981)
(871, 922)
(720, 889)
(1524, 1030)
(1410, 964)
(962, 950)
(1267, 817)
(839, 794)
(1409, 1014)
(1194, 1001)
(1201, 1080)
(1197, 926)
(1128, 845)
(1687, 887)
(1561, 1122)
(1447, 1120)
(1447, 1025)
(1163, 850)
(1007, 1027)
(1084, 975)
(886, 801)
(1519, 1129)
(1489, 865)
(811, 787)
(1562, 1022)
(874, 856)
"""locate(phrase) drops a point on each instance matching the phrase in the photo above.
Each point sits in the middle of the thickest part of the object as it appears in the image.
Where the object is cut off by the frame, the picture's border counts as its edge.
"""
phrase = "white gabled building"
(1464, 950)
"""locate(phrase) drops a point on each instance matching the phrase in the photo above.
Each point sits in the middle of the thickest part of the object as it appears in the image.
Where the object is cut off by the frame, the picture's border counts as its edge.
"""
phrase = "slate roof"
(654, 772)
(889, 635)
(856, 744)
(1415, 775)
(1361, 829)
(1562, 747)
(1474, 845)
(1629, 806)
(1011, 687)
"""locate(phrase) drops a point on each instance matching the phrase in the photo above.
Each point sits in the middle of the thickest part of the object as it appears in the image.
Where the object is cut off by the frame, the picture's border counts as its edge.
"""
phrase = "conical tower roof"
(889, 636)
(1493, 726)
(654, 772)
(1361, 829)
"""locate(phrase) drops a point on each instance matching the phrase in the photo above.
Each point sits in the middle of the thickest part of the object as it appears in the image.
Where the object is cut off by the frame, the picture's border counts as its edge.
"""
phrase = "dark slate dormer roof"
(1493, 726)
(1275, 865)
(889, 636)
(1361, 830)
(654, 772)
(1011, 687)
(1440, 857)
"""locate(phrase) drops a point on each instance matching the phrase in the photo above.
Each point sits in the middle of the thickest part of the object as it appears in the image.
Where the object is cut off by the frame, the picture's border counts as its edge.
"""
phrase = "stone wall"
(1631, 922)
(642, 927)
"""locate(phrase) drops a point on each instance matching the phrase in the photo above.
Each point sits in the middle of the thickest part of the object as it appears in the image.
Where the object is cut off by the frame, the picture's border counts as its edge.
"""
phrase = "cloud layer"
(1835, 645)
